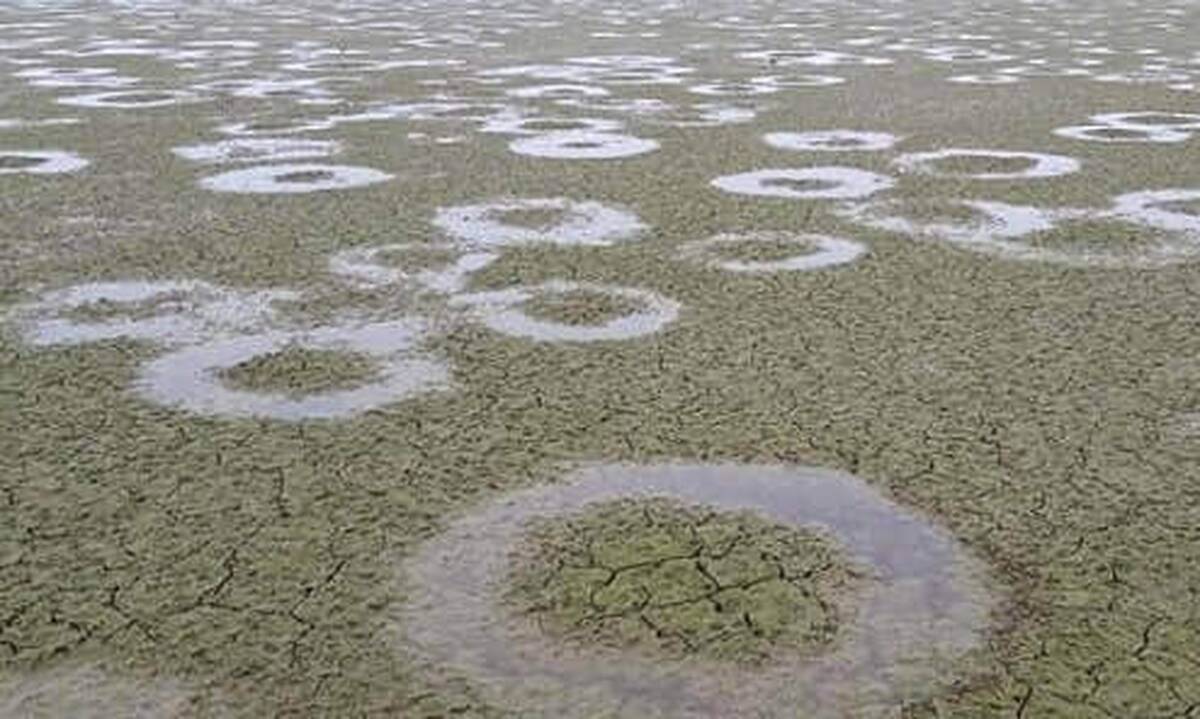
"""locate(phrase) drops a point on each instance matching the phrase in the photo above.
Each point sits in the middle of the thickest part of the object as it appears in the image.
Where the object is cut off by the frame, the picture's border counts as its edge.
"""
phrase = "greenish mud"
(681, 582)
(1097, 235)
(1187, 208)
(299, 371)
(1042, 414)
(102, 310)
(804, 185)
(306, 176)
(758, 250)
(967, 165)
(417, 257)
(580, 307)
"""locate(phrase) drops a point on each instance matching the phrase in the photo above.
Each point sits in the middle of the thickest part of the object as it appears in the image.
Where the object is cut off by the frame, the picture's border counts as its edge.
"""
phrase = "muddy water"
(925, 605)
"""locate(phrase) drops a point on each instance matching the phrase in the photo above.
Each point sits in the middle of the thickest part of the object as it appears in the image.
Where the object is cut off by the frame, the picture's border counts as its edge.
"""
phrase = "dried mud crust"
(104, 310)
(1101, 235)
(679, 581)
(298, 370)
(1033, 410)
(982, 164)
(763, 250)
(581, 307)
(306, 176)
(417, 257)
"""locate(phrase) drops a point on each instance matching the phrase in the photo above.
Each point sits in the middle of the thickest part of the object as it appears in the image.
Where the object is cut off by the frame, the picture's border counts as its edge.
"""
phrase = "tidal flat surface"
(294, 296)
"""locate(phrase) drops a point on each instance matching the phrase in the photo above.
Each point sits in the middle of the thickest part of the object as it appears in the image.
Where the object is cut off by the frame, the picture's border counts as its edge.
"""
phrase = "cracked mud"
(680, 581)
(297, 371)
(580, 307)
(1023, 375)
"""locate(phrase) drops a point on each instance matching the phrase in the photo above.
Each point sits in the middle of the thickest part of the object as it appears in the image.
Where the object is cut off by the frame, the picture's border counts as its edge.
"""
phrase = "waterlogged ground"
(327, 328)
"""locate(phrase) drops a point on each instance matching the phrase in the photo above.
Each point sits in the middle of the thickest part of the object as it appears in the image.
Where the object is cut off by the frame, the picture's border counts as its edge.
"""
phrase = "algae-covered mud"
(679, 581)
(502, 359)
(717, 597)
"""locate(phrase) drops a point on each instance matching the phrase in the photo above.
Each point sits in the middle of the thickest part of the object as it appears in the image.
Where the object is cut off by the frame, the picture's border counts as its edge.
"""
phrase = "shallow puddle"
(927, 603)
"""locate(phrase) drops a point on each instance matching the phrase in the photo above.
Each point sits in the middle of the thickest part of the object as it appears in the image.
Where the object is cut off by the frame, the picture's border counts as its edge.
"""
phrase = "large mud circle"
(286, 287)
(926, 604)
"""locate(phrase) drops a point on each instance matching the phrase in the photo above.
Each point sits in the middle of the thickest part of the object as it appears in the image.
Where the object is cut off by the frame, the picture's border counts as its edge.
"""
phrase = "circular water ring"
(14, 123)
(1180, 121)
(648, 75)
(40, 162)
(706, 114)
(798, 81)
(293, 179)
(582, 223)
(143, 99)
(820, 58)
(831, 183)
(1044, 164)
(984, 79)
(1146, 208)
(188, 378)
(183, 311)
(993, 220)
(734, 89)
(831, 141)
(1123, 134)
(266, 149)
(76, 77)
(637, 106)
(501, 311)
(517, 124)
(926, 603)
(557, 91)
(625, 61)
(361, 265)
(292, 127)
(582, 145)
(1001, 230)
(1144, 77)
(964, 55)
(829, 252)
(571, 74)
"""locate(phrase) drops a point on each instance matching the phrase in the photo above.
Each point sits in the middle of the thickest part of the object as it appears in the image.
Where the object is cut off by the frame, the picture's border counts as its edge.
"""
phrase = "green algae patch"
(103, 310)
(981, 165)
(417, 257)
(1187, 207)
(1117, 133)
(1028, 407)
(306, 176)
(928, 210)
(581, 307)
(760, 250)
(799, 185)
(146, 97)
(680, 581)
(1110, 236)
(555, 125)
(300, 371)
(272, 125)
